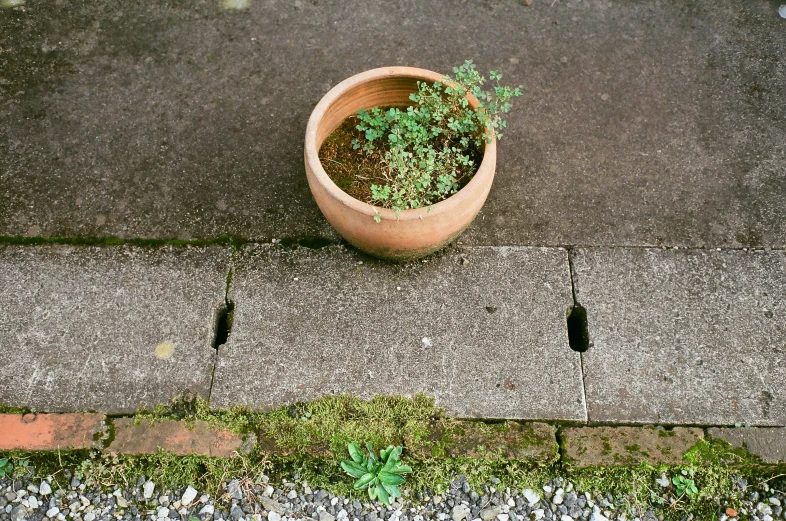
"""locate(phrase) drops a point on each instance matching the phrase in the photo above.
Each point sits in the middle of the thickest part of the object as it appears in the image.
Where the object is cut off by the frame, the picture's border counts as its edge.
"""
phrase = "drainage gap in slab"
(223, 326)
(578, 333)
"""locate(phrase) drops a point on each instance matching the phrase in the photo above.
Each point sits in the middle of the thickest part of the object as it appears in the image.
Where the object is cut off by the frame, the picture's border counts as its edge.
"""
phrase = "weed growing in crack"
(381, 476)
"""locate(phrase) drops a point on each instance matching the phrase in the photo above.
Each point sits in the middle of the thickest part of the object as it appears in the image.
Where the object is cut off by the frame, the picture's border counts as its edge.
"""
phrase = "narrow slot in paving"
(578, 332)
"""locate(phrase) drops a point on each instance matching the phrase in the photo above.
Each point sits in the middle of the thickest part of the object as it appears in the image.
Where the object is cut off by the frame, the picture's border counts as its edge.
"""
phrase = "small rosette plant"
(380, 475)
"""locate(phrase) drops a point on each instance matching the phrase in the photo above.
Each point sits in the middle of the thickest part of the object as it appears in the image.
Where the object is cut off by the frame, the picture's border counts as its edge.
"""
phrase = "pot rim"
(312, 152)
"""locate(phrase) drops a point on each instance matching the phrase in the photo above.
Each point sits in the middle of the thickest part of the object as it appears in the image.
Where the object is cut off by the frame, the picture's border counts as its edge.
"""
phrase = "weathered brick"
(175, 437)
(769, 444)
(616, 446)
(532, 442)
(49, 431)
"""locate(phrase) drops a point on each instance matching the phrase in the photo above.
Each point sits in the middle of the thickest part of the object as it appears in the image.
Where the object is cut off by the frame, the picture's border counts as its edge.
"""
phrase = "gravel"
(23, 499)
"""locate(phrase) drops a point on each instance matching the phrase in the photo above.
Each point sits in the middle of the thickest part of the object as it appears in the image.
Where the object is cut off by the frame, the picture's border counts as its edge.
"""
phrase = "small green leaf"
(364, 480)
(353, 469)
(393, 490)
(401, 469)
(390, 478)
(356, 453)
(383, 494)
(372, 456)
(393, 456)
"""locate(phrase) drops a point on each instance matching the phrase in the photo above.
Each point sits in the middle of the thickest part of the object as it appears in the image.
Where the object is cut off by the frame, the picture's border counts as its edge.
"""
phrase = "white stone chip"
(188, 496)
(531, 496)
(148, 489)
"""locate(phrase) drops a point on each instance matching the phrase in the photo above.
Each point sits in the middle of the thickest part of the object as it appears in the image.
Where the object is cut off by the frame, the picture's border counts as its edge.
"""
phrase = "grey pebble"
(236, 512)
(458, 503)
(234, 489)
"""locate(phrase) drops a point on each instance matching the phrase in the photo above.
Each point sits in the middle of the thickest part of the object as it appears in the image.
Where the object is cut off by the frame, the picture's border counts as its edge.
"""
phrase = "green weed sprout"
(6, 467)
(685, 485)
(381, 476)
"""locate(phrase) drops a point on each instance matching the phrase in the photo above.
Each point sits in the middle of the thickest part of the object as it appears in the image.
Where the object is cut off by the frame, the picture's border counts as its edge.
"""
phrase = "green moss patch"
(309, 439)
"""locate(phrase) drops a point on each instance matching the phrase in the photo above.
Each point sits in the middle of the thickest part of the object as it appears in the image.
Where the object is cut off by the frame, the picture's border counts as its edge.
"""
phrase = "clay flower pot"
(414, 233)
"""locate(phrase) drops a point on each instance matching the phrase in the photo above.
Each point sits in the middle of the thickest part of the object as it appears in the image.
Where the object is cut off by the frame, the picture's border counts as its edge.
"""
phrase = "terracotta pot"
(414, 233)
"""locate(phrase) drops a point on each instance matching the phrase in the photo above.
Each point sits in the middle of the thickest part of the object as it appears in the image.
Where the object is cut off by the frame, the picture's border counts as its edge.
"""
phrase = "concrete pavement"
(643, 123)
(646, 126)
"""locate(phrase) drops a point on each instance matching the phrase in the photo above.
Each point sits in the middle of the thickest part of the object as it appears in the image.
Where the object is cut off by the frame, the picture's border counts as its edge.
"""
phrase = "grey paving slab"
(485, 336)
(107, 329)
(186, 119)
(684, 336)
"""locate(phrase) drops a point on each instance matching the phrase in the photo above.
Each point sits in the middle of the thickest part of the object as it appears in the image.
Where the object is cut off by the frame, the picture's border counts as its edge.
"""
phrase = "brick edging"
(534, 442)
(41, 432)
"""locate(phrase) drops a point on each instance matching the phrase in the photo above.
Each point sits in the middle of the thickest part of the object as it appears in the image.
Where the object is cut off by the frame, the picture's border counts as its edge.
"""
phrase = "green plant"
(430, 147)
(381, 476)
(685, 485)
(6, 467)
